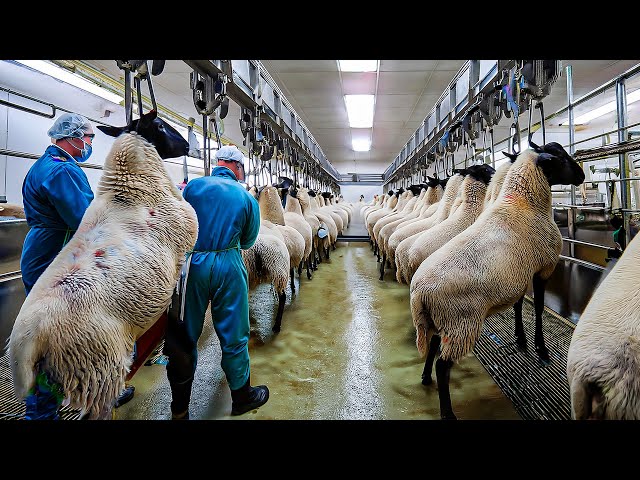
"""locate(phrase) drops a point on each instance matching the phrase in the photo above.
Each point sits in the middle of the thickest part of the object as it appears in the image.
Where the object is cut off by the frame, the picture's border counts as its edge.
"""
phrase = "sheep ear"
(111, 131)
(511, 156)
(535, 147)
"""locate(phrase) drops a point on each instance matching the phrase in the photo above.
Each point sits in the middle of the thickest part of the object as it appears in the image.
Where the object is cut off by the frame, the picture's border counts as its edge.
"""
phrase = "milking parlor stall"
(439, 239)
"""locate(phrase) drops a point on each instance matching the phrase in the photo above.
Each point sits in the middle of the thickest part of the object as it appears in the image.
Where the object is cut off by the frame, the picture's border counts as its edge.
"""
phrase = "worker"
(228, 220)
(55, 193)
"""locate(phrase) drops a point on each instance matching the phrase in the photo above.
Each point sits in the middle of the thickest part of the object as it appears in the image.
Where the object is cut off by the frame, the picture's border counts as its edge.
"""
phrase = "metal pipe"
(584, 263)
(581, 207)
(625, 191)
(572, 214)
(587, 244)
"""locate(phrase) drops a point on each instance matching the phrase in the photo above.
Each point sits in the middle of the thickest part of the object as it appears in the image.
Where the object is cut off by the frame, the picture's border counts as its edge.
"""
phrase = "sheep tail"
(25, 349)
(421, 323)
(587, 400)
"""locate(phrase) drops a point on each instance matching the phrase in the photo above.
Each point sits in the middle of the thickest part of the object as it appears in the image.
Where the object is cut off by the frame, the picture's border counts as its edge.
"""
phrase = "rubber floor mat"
(538, 391)
(13, 409)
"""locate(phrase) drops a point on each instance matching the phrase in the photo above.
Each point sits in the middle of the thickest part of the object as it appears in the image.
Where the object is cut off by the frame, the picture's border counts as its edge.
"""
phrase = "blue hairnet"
(69, 125)
(230, 153)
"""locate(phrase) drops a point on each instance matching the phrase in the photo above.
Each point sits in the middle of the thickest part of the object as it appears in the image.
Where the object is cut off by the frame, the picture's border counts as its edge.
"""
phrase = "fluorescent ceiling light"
(360, 110)
(361, 145)
(358, 65)
(68, 77)
(598, 112)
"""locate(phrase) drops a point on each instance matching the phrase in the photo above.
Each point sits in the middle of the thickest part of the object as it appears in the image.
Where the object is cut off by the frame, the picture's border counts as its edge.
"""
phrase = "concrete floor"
(346, 351)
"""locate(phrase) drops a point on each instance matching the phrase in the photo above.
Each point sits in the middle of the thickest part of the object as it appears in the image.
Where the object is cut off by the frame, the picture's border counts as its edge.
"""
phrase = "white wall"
(351, 193)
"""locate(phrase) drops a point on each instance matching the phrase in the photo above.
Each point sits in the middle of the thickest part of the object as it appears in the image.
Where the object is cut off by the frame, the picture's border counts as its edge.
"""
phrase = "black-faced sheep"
(603, 362)
(487, 268)
(113, 279)
(403, 272)
(472, 195)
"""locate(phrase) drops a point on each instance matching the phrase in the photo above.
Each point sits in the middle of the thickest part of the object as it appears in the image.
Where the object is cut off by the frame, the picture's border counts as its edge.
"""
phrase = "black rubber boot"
(180, 396)
(125, 395)
(248, 398)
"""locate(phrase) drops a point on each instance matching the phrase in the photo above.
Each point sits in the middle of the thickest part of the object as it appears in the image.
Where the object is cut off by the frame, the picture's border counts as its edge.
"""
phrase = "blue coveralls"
(55, 194)
(228, 220)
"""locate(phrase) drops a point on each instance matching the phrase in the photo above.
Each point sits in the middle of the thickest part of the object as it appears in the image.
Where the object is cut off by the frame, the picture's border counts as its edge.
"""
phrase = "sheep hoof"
(521, 343)
(427, 380)
(309, 275)
(276, 328)
(448, 416)
(543, 355)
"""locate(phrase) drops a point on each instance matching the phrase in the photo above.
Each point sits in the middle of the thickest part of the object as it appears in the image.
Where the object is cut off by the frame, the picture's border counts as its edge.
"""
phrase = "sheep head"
(166, 139)
(482, 173)
(558, 166)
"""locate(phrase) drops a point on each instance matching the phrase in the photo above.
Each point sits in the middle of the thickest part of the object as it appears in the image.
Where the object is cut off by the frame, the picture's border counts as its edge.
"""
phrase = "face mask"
(85, 152)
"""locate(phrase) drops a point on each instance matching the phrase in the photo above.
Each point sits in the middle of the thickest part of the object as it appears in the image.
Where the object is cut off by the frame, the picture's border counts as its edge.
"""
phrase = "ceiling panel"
(407, 65)
(359, 83)
(318, 81)
(285, 66)
(402, 82)
(396, 101)
(392, 114)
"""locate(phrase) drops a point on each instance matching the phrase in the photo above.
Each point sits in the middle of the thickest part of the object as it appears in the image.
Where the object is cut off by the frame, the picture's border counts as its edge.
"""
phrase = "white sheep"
(472, 195)
(603, 362)
(112, 281)
(403, 272)
(412, 226)
(271, 210)
(293, 217)
(11, 210)
(487, 267)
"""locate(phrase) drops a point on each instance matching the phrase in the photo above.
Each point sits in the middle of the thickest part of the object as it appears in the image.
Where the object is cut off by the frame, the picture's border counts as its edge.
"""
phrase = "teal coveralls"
(228, 220)
(55, 194)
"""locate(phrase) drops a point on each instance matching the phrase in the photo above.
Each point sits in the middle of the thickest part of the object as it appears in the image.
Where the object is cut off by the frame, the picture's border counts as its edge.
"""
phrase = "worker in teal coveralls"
(55, 193)
(228, 220)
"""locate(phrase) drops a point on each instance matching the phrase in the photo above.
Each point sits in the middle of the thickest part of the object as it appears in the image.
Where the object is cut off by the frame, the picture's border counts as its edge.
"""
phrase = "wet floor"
(346, 351)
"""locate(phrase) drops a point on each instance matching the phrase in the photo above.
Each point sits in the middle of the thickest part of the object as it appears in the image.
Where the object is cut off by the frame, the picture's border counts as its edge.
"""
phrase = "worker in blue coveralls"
(228, 220)
(55, 194)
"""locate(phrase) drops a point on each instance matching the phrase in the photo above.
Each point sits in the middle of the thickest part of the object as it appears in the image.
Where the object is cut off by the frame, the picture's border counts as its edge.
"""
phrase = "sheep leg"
(292, 276)
(384, 260)
(281, 300)
(309, 267)
(521, 339)
(443, 372)
(300, 268)
(434, 345)
(538, 302)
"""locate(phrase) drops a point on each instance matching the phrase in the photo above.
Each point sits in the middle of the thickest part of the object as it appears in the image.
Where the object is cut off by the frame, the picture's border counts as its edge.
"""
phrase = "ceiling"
(406, 90)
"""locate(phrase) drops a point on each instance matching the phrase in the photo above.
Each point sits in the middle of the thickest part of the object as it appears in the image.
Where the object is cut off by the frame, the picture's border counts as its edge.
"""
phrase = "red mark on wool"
(99, 253)
(152, 212)
(445, 339)
(509, 196)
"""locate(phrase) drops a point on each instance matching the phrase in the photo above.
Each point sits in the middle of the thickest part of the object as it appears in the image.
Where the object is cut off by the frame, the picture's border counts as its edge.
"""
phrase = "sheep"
(113, 279)
(441, 213)
(293, 217)
(373, 217)
(305, 196)
(271, 210)
(387, 230)
(604, 354)
(493, 190)
(337, 218)
(404, 207)
(488, 266)
(473, 190)
(413, 226)
(267, 261)
(11, 210)
(344, 216)
(302, 196)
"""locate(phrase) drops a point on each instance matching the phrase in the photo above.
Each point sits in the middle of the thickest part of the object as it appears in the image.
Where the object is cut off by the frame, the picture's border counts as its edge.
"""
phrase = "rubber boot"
(125, 395)
(180, 396)
(248, 398)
